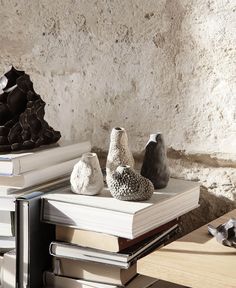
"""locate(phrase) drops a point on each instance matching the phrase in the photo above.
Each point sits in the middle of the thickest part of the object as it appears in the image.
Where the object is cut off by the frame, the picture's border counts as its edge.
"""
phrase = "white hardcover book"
(36, 177)
(7, 244)
(21, 162)
(121, 259)
(128, 219)
(7, 202)
(9, 269)
(54, 281)
(6, 223)
(1, 263)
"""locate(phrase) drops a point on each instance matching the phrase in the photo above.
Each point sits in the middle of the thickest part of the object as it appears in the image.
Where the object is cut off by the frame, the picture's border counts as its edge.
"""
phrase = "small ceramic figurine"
(225, 233)
(155, 166)
(126, 184)
(119, 152)
(86, 177)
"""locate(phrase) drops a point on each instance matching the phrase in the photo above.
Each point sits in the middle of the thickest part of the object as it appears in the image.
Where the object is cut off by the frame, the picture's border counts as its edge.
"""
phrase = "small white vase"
(86, 177)
(119, 152)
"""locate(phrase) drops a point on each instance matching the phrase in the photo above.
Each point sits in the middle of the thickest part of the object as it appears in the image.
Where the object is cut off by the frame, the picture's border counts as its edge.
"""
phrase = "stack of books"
(99, 239)
(8, 269)
(20, 174)
(27, 169)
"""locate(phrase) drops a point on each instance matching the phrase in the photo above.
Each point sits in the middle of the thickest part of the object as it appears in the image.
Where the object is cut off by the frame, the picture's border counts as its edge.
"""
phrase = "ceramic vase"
(119, 152)
(127, 185)
(86, 177)
(155, 166)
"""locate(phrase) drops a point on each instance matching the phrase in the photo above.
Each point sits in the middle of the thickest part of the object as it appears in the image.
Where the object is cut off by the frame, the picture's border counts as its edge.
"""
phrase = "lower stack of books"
(99, 239)
(7, 252)
(21, 173)
(8, 269)
(90, 259)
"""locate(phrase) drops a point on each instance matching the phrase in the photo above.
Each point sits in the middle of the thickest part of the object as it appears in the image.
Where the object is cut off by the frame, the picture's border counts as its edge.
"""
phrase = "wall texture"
(146, 65)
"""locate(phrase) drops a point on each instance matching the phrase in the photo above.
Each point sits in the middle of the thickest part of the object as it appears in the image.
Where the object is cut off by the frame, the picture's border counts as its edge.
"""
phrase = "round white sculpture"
(86, 177)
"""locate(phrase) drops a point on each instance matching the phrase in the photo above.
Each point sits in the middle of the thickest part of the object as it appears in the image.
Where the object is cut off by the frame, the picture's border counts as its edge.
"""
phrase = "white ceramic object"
(86, 177)
(119, 152)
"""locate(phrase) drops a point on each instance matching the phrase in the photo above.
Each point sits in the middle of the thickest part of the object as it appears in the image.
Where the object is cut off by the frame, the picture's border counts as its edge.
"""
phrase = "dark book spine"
(126, 243)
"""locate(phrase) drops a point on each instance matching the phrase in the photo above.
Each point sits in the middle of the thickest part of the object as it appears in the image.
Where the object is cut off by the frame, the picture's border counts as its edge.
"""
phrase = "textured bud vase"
(125, 184)
(119, 153)
(155, 166)
(86, 177)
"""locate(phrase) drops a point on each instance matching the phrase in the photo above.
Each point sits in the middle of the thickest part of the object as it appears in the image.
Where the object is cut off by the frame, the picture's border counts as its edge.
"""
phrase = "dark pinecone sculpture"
(22, 124)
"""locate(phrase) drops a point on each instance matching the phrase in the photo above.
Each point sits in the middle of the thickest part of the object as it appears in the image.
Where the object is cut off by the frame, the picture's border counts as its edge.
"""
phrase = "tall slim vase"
(86, 177)
(119, 152)
(155, 166)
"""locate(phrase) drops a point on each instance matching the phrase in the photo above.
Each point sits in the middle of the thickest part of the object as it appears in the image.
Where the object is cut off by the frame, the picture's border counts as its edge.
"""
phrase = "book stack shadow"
(98, 239)
(20, 174)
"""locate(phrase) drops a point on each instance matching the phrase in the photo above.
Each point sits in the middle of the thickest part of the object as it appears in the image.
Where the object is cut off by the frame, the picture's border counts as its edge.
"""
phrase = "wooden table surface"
(195, 260)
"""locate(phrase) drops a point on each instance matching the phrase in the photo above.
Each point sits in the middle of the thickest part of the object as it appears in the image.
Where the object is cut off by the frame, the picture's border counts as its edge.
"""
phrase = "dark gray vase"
(155, 166)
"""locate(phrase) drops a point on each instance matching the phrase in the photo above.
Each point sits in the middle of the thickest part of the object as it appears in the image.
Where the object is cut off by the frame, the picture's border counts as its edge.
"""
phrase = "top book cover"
(128, 219)
(21, 162)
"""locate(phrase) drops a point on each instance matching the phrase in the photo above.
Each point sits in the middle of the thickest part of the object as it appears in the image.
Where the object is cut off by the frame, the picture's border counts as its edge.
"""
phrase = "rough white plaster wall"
(146, 65)
(149, 65)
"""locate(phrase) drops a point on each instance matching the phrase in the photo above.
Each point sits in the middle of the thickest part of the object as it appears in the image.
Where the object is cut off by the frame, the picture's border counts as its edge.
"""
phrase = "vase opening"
(153, 137)
(122, 168)
(89, 154)
(125, 166)
(119, 128)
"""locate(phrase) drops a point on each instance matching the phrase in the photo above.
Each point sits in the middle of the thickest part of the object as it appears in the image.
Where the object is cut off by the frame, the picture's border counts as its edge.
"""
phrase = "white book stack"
(9, 269)
(27, 171)
(99, 238)
(23, 170)
(1, 263)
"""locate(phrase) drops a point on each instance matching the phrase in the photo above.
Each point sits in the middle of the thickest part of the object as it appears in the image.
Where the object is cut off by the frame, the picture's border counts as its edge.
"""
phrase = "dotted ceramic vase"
(86, 177)
(155, 166)
(127, 185)
(119, 152)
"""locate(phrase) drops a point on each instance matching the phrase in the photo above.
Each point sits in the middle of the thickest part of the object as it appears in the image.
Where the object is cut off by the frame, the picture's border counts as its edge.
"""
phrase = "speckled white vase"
(86, 177)
(119, 152)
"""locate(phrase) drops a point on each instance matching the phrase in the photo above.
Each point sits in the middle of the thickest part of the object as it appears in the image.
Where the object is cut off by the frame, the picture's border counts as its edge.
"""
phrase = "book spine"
(16, 167)
(52, 157)
(125, 243)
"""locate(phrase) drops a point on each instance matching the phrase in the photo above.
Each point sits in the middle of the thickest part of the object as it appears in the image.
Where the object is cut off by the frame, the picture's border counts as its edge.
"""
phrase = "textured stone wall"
(146, 65)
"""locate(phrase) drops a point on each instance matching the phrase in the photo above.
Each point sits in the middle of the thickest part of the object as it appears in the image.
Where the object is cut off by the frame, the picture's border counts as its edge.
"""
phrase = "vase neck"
(153, 138)
(90, 158)
(119, 136)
